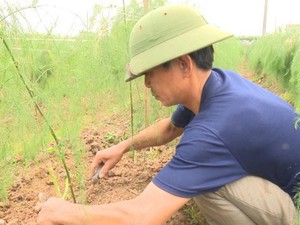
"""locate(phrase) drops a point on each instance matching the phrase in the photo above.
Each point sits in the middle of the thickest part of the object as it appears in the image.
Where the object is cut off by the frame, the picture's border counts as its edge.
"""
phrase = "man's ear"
(185, 64)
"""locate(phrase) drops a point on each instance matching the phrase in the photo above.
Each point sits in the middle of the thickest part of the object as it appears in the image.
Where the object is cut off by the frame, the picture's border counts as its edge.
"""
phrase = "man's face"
(164, 83)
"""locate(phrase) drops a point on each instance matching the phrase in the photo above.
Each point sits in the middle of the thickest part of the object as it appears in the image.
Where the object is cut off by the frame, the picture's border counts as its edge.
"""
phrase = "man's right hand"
(157, 134)
(109, 157)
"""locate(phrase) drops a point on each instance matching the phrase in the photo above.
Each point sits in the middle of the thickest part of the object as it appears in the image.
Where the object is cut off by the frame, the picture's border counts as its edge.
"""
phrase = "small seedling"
(110, 137)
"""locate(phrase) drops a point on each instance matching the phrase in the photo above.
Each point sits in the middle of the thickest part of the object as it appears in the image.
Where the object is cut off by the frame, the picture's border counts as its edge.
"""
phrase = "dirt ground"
(125, 181)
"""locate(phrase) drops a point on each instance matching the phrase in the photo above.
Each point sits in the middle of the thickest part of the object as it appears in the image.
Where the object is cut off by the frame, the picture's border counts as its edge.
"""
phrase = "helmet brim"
(182, 44)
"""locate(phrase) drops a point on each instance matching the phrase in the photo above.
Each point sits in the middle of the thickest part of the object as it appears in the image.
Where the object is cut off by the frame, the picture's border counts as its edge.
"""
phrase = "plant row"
(277, 56)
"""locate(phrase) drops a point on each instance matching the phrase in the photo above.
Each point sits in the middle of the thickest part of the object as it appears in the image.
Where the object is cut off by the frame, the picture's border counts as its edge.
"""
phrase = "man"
(239, 154)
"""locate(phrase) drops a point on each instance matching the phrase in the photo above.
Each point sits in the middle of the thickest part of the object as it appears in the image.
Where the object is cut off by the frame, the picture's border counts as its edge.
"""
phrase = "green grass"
(277, 57)
(229, 53)
(294, 81)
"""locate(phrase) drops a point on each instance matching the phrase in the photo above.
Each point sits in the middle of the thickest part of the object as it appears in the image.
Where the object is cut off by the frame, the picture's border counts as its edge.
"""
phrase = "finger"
(92, 169)
(94, 165)
(104, 170)
(96, 176)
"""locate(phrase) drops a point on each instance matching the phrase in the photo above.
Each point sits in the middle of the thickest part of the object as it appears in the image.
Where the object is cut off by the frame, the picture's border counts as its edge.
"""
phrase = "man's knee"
(251, 200)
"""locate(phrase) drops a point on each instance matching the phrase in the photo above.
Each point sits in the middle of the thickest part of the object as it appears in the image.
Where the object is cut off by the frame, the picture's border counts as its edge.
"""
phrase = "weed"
(6, 179)
(55, 182)
(110, 137)
(194, 215)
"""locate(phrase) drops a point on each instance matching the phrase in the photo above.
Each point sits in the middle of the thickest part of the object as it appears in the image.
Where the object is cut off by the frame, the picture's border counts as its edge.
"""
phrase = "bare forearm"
(152, 207)
(157, 134)
(112, 214)
(119, 213)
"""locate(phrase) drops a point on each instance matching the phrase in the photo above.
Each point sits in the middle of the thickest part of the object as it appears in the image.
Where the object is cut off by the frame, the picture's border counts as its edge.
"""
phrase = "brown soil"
(125, 181)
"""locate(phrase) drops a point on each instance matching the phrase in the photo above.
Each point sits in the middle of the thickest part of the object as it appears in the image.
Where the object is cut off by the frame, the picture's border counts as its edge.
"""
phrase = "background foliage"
(277, 57)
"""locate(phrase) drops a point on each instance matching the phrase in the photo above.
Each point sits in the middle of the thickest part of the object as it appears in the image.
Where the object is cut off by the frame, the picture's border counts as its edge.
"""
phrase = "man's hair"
(203, 58)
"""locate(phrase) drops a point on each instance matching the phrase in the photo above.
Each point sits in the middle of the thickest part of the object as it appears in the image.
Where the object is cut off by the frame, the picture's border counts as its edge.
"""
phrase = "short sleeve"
(201, 164)
(182, 116)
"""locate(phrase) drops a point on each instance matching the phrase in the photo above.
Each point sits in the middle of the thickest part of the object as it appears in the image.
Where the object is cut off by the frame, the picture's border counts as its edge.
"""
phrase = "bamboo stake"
(130, 90)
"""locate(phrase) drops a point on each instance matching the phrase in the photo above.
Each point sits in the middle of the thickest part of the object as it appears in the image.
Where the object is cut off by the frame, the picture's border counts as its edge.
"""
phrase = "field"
(64, 98)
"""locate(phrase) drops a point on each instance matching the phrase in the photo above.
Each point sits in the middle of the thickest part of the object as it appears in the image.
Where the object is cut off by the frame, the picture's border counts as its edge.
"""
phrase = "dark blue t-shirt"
(241, 129)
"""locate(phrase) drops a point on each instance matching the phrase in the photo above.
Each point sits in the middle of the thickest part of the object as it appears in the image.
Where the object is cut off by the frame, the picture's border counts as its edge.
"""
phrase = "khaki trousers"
(248, 201)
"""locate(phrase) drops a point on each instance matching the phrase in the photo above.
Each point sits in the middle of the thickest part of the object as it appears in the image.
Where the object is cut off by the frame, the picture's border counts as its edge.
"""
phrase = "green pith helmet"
(167, 33)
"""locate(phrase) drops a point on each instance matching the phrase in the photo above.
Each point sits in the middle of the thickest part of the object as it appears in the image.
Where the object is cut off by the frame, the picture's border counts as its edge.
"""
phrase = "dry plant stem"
(19, 10)
(130, 91)
(31, 94)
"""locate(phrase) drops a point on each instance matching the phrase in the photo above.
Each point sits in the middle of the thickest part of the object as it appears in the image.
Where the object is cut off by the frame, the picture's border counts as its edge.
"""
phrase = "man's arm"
(152, 207)
(157, 134)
